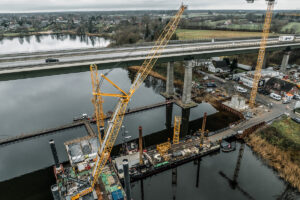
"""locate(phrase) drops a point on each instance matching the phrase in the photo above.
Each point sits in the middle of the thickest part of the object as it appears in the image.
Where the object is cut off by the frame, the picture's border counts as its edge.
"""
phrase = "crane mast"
(97, 100)
(262, 51)
(115, 122)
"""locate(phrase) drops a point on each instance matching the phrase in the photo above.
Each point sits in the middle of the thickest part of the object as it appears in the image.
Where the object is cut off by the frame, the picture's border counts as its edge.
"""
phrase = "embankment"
(276, 158)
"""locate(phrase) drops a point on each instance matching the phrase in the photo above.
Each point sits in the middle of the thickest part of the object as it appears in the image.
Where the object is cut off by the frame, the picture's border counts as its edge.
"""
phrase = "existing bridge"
(14, 66)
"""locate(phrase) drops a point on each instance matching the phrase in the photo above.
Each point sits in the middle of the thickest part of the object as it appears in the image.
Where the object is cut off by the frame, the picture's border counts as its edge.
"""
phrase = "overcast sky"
(64, 5)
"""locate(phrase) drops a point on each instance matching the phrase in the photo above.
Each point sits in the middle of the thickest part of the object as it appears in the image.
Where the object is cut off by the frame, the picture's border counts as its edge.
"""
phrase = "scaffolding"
(177, 122)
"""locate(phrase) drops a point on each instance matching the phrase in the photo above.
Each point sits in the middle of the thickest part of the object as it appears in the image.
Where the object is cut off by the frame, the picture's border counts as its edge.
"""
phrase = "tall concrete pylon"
(187, 86)
(285, 61)
(170, 79)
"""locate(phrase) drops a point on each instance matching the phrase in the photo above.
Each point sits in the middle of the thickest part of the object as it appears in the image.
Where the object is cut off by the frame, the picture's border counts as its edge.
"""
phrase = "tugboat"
(227, 146)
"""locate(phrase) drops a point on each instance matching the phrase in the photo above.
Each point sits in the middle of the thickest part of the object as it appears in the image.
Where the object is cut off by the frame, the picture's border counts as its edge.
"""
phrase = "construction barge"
(73, 176)
(154, 162)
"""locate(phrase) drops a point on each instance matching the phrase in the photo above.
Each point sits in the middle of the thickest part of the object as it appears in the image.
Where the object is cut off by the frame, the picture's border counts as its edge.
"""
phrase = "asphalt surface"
(38, 59)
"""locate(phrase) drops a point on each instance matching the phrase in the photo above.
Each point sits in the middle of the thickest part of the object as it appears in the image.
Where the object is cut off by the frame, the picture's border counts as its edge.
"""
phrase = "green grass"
(186, 34)
(255, 27)
(289, 129)
(284, 133)
(292, 25)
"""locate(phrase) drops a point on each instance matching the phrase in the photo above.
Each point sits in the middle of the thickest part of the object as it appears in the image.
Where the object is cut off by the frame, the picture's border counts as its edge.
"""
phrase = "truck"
(287, 38)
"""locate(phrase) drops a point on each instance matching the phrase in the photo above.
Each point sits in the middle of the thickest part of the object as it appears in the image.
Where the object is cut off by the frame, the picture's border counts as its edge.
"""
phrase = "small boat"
(227, 146)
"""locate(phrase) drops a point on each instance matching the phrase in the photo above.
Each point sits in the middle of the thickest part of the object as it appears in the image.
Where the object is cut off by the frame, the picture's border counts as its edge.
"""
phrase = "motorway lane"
(134, 53)
(32, 55)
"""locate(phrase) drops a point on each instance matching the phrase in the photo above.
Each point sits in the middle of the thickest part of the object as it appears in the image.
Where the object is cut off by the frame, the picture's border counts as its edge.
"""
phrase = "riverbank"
(277, 146)
(69, 32)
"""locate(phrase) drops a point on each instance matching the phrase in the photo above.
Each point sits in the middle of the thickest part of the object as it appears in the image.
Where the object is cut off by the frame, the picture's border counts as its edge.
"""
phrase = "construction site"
(94, 172)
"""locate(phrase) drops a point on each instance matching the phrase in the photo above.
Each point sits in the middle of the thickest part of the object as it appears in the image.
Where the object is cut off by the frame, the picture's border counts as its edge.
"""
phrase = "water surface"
(37, 43)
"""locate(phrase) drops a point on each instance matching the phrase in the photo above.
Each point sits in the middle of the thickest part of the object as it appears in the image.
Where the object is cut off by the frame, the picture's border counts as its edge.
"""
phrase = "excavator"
(115, 122)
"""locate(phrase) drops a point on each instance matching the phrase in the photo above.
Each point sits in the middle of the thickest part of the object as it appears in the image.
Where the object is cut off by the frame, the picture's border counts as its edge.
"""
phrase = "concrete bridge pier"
(265, 63)
(170, 81)
(186, 100)
(285, 61)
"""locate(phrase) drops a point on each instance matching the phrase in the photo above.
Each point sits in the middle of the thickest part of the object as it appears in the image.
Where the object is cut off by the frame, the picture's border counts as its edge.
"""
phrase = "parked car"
(296, 119)
(49, 60)
(286, 101)
(211, 85)
(296, 96)
(275, 96)
(240, 89)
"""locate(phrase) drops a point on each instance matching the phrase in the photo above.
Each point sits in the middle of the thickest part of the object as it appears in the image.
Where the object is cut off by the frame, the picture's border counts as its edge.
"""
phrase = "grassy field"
(292, 25)
(284, 133)
(289, 129)
(185, 34)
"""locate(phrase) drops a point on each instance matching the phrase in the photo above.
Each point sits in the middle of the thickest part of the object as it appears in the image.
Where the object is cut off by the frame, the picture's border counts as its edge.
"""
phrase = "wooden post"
(141, 144)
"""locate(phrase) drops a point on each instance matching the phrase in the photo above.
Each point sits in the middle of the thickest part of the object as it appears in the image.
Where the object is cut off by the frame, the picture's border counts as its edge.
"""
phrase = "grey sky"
(61, 5)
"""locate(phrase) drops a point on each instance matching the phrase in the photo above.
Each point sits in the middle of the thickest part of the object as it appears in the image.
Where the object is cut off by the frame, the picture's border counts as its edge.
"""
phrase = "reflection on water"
(201, 179)
(52, 101)
(34, 154)
(38, 43)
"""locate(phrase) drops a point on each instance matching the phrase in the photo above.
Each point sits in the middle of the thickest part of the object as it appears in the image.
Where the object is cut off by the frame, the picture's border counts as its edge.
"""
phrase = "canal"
(45, 102)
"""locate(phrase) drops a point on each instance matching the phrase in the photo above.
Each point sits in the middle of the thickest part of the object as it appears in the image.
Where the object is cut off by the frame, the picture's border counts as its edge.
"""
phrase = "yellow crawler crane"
(114, 125)
(97, 100)
(262, 50)
(177, 122)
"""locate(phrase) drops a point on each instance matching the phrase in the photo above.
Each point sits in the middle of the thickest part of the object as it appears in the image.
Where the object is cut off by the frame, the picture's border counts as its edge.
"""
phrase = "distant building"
(244, 67)
(281, 87)
(221, 66)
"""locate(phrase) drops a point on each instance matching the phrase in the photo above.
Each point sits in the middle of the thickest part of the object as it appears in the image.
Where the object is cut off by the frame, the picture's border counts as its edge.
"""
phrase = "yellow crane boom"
(97, 100)
(262, 51)
(114, 125)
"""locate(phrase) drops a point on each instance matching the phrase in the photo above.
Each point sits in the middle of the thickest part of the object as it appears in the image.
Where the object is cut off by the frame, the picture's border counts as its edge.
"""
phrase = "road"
(268, 114)
(36, 61)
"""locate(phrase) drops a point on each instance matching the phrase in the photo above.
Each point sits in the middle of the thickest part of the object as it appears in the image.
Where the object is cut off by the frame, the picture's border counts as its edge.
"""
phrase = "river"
(44, 102)
(37, 43)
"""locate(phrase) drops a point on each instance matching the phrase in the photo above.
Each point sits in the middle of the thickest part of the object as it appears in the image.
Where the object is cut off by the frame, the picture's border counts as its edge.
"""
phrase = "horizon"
(132, 10)
(35, 6)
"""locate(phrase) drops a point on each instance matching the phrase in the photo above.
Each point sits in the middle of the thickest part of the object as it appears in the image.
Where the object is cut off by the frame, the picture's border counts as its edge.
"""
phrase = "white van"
(275, 96)
(240, 89)
(287, 38)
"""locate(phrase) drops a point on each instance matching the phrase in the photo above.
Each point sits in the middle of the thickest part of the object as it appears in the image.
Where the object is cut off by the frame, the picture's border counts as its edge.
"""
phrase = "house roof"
(220, 64)
(278, 84)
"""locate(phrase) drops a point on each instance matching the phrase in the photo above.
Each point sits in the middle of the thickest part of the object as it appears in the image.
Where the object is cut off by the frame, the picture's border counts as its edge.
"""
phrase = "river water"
(45, 102)
(52, 42)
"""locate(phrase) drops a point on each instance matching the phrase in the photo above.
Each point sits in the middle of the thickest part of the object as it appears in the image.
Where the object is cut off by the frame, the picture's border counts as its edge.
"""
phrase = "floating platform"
(155, 163)
(75, 175)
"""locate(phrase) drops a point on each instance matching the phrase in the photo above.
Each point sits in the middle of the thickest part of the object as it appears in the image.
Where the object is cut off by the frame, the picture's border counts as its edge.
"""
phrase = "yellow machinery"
(177, 122)
(163, 147)
(262, 51)
(97, 100)
(115, 122)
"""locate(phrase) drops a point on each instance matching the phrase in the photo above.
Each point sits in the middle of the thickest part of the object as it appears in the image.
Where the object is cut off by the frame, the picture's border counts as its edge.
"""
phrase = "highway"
(24, 62)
